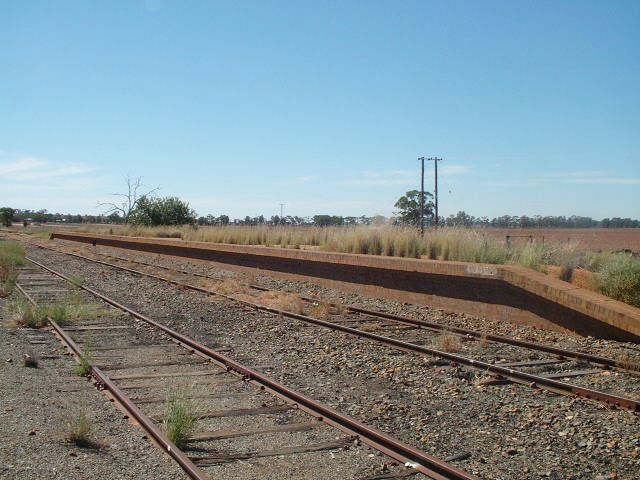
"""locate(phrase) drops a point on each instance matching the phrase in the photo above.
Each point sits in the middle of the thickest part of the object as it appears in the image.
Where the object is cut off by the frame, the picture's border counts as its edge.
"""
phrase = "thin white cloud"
(605, 181)
(20, 166)
(30, 168)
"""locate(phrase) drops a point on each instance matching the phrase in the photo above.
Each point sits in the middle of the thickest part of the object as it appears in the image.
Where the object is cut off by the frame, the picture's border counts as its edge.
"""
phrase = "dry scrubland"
(614, 274)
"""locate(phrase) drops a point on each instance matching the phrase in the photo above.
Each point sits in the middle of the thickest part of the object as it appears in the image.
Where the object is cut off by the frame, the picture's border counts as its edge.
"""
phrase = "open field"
(594, 239)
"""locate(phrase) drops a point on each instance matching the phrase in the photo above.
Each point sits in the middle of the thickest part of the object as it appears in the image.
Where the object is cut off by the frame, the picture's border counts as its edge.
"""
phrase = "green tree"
(6, 216)
(408, 207)
(162, 211)
(461, 219)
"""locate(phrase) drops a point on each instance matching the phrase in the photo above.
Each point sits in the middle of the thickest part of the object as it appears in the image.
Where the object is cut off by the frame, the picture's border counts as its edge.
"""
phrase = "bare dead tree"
(130, 199)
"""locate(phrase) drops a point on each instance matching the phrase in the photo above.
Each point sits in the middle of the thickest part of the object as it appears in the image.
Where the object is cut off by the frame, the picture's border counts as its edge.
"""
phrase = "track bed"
(440, 408)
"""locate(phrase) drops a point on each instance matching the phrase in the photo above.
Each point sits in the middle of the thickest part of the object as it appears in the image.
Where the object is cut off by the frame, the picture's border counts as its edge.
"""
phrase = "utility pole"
(435, 161)
(421, 159)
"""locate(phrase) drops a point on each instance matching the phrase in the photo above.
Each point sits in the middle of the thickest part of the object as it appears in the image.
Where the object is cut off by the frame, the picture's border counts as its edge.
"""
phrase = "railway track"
(144, 364)
(483, 336)
(543, 371)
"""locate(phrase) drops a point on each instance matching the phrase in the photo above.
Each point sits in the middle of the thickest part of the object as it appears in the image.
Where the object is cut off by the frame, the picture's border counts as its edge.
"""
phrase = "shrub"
(619, 278)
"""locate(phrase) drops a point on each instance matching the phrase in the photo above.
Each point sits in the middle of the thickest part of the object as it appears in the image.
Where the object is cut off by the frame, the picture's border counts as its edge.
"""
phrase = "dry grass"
(11, 257)
(484, 340)
(457, 244)
(320, 310)
(80, 432)
(369, 327)
(227, 287)
(288, 302)
(626, 361)
(447, 342)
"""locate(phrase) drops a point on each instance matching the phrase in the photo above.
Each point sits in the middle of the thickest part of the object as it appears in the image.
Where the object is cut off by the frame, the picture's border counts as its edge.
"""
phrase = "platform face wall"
(530, 294)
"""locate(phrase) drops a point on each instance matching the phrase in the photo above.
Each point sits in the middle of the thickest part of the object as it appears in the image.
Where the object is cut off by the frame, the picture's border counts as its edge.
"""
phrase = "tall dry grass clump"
(11, 257)
(288, 302)
(447, 342)
(80, 431)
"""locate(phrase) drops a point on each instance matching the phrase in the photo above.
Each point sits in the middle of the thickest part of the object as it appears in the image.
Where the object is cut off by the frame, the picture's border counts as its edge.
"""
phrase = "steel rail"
(516, 376)
(145, 422)
(564, 353)
(422, 462)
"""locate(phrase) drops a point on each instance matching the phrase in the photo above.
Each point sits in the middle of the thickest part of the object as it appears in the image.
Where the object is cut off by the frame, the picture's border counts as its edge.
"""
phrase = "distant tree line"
(44, 216)
(171, 211)
(462, 219)
(316, 220)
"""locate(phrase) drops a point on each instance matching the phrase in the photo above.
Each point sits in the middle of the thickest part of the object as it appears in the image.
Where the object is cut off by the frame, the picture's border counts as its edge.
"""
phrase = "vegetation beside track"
(11, 257)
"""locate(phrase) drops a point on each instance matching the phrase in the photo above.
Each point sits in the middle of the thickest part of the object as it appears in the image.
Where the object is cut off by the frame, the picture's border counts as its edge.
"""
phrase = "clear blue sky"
(324, 106)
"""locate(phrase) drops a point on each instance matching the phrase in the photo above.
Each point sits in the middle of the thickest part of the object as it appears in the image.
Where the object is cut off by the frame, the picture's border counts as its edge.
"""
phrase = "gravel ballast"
(509, 431)
(38, 404)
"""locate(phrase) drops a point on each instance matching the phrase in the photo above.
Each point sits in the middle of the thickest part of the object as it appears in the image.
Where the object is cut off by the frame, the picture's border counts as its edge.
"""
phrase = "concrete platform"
(508, 292)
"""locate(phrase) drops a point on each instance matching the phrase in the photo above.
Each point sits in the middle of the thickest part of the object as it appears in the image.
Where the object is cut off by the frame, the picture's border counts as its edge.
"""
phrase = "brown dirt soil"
(607, 239)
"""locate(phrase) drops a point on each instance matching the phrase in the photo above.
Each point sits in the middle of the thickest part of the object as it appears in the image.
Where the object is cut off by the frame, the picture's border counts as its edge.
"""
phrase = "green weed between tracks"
(70, 309)
(83, 368)
(179, 419)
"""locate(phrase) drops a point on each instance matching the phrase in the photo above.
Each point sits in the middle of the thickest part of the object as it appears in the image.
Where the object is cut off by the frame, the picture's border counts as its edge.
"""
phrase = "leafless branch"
(131, 198)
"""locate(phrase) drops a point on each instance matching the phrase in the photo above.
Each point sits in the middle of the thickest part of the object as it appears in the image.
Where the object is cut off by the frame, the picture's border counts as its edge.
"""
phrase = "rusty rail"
(516, 376)
(145, 422)
(422, 462)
